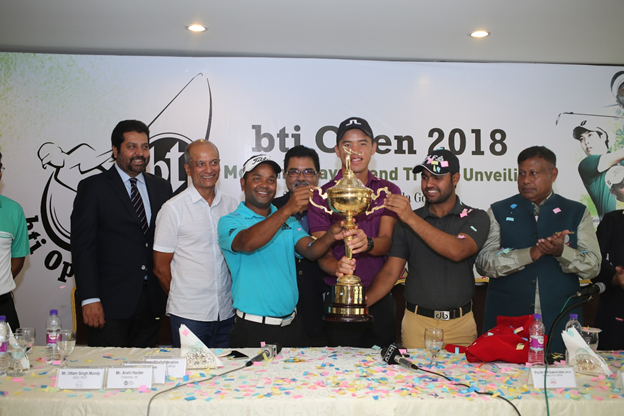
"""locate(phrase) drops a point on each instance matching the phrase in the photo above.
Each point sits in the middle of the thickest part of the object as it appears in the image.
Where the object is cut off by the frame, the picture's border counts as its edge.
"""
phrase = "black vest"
(514, 295)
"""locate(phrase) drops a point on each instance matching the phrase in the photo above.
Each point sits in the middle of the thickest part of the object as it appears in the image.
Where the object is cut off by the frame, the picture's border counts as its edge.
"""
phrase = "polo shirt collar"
(248, 213)
(196, 196)
(371, 178)
(457, 209)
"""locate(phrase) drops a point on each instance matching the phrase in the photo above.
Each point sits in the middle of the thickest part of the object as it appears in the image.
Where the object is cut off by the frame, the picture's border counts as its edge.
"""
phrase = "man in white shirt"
(188, 261)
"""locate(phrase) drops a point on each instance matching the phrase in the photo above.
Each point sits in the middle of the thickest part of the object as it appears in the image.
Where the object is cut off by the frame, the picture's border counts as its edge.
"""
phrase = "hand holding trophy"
(349, 198)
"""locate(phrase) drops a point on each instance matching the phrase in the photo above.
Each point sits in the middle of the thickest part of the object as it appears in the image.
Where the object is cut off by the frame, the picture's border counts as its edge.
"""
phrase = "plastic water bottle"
(4, 345)
(536, 341)
(573, 323)
(53, 327)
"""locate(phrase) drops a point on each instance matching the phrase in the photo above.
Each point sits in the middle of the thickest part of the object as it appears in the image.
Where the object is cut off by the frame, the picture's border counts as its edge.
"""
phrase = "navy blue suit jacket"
(110, 254)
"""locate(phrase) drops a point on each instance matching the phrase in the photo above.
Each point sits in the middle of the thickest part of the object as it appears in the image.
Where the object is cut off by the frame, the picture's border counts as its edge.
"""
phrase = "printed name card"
(176, 366)
(80, 378)
(557, 377)
(160, 369)
(129, 377)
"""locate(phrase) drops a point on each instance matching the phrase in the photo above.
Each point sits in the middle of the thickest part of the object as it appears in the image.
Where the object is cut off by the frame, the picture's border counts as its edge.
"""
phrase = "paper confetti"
(557, 210)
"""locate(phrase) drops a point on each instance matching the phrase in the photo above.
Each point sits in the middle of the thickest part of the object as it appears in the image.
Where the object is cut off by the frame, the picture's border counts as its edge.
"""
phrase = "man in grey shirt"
(440, 241)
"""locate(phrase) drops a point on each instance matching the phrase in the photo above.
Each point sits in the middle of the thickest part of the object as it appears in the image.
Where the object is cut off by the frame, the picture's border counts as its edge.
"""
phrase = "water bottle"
(4, 345)
(536, 341)
(53, 327)
(573, 323)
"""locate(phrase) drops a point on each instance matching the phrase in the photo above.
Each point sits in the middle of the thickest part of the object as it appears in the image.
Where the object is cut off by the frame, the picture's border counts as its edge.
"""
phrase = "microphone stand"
(547, 353)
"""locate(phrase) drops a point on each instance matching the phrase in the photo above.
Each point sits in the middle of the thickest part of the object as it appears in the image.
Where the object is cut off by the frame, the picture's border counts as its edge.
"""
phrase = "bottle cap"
(2, 318)
(537, 316)
(573, 316)
(53, 311)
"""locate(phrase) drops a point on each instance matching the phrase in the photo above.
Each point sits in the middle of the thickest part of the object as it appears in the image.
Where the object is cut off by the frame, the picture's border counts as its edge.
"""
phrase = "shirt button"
(143, 267)
(532, 282)
(146, 244)
(531, 305)
(300, 272)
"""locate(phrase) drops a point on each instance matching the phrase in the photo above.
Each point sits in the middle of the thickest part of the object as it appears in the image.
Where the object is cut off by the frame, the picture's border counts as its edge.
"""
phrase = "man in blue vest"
(540, 245)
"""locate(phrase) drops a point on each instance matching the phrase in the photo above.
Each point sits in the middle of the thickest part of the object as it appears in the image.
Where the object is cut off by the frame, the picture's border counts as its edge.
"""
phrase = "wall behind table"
(57, 112)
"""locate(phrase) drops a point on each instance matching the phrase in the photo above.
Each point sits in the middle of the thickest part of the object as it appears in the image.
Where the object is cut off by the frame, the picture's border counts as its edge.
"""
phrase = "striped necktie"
(137, 203)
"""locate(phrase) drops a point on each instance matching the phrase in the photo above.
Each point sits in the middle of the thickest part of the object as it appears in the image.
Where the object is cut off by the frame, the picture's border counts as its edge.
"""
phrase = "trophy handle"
(322, 195)
(374, 197)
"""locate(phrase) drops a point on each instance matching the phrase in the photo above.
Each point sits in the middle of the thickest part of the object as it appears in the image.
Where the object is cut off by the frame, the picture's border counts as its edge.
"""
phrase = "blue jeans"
(215, 334)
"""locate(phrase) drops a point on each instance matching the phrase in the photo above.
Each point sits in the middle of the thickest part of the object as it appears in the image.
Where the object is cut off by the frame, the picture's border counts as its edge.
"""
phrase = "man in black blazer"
(112, 233)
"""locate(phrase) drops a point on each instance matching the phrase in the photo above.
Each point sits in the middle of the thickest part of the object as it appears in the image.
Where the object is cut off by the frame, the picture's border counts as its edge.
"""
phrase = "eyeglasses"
(293, 173)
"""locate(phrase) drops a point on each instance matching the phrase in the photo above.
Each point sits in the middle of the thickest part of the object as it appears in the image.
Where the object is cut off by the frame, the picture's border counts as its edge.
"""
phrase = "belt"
(442, 315)
(5, 298)
(267, 320)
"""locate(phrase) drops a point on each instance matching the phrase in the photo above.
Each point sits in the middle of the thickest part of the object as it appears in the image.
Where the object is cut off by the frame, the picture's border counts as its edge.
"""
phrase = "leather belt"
(267, 320)
(441, 315)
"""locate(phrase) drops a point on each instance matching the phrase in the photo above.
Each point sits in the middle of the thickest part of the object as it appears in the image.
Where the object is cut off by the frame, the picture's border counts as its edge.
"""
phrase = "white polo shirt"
(201, 285)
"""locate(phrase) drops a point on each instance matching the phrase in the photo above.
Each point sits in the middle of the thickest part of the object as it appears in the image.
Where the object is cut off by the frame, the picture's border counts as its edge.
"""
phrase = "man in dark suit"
(112, 233)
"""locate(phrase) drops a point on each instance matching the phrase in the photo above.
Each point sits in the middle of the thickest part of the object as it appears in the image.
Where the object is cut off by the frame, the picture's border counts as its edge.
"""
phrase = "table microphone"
(590, 290)
(268, 352)
(392, 355)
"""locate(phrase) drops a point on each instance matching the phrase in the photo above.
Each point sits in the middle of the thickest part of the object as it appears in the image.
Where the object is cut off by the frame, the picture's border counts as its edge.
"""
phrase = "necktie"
(137, 203)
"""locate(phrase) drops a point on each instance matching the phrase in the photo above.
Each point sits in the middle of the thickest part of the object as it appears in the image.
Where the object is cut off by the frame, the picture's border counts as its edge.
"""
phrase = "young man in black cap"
(440, 241)
(259, 243)
(370, 249)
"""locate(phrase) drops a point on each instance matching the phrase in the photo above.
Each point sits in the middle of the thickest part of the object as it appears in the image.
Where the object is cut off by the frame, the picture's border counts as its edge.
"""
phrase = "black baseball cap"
(439, 162)
(354, 123)
(255, 161)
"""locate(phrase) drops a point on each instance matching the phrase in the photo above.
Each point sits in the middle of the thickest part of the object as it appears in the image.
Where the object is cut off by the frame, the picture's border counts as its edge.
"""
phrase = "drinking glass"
(590, 335)
(29, 335)
(17, 350)
(434, 339)
(65, 342)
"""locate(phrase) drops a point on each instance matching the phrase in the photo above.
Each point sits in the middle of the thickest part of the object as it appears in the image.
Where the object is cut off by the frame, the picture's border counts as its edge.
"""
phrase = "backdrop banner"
(57, 113)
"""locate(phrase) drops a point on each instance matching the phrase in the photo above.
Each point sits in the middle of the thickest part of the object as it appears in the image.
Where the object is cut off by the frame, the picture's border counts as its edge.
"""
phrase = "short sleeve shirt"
(433, 281)
(264, 282)
(200, 279)
(13, 240)
(366, 265)
(594, 182)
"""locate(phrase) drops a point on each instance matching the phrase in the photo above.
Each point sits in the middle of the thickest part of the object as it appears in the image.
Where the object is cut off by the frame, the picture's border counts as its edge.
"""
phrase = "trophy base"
(348, 302)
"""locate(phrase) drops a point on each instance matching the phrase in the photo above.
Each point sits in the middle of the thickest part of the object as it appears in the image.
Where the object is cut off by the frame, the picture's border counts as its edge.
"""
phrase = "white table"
(314, 381)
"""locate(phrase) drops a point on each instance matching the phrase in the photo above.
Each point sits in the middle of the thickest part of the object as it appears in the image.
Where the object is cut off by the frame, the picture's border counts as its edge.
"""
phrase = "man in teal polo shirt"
(540, 244)
(13, 250)
(259, 244)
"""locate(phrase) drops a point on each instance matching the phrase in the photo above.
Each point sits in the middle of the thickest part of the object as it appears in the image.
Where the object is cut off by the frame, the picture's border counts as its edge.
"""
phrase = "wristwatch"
(371, 244)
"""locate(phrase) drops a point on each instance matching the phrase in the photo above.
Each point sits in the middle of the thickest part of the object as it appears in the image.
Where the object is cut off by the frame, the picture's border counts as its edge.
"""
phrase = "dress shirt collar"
(125, 177)
(196, 196)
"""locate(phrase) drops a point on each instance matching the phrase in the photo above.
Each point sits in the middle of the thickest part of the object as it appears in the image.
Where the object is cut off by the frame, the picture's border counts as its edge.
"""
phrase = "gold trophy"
(349, 198)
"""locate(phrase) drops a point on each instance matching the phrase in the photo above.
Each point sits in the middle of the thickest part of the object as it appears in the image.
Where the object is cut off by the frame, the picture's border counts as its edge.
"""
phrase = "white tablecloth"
(312, 381)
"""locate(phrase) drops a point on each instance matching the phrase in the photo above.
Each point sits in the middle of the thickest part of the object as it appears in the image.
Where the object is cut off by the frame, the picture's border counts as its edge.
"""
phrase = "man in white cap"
(595, 143)
(259, 243)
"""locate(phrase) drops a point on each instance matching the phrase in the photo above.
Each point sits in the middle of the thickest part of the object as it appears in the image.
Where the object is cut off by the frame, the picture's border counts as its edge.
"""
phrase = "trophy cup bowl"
(349, 198)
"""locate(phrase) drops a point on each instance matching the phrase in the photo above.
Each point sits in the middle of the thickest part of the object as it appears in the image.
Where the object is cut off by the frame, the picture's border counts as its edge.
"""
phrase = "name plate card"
(176, 366)
(160, 369)
(80, 378)
(558, 377)
(129, 377)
